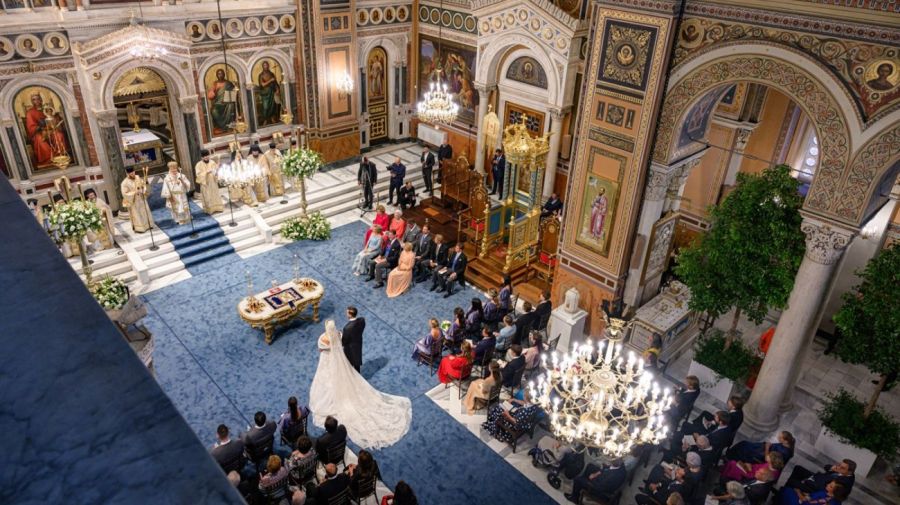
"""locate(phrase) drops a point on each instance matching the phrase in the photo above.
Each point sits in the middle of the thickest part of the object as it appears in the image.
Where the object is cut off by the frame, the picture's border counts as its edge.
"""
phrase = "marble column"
(20, 168)
(194, 143)
(676, 185)
(111, 140)
(742, 137)
(556, 117)
(483, 95)
(825, 243)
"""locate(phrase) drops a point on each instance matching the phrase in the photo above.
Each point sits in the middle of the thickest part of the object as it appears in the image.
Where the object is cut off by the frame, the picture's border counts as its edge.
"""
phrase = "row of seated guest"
(720, 428)
(386, 222)
(684, 477)
(831, 486)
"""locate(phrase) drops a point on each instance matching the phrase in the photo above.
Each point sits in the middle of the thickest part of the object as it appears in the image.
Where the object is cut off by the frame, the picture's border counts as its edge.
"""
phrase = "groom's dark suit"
(352, 341)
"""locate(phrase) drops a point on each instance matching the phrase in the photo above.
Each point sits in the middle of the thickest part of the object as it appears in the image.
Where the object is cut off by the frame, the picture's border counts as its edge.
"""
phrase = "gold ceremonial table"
(281, 305)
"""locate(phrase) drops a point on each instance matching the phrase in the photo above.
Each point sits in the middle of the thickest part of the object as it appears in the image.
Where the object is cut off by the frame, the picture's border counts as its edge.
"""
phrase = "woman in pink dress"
(382, 219)
(401, 277)
(398, 224)
(743, 471)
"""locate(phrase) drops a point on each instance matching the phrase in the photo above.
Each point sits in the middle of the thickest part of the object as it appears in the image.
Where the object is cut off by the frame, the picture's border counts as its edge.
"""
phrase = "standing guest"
(520, 417)
(808, 482)
(274, 161)
(457, 366)
(542, 311)
(400, 278)
(480, 389)
(515, 364)
(275, 473)
(526, 322)
(398, 224)
(335, 434)
(833, 494)
(261, 186)
(226, 451)
(403, 495)
(261, 435)
(293, 422)
(455, 271)
(302, 461)
(382, 263)
(683, 401)
(552, 207)
(755, 452)
(134, 199)
(424, 249)
(492, 309)
(205, 173)
(371, 251)
(505, 296)
(601, 481)
(407, 195)
(427, 159)
(334, 484)
(398, 172)
(474, 319)
(486, 345)
(425, 345)
(445, 153)
(366, 468)
(175, 188)
(366, 177)
(352, 337)
(382, 219)
(507, 334)
(457, 331)
(498, 168)
(434, 262)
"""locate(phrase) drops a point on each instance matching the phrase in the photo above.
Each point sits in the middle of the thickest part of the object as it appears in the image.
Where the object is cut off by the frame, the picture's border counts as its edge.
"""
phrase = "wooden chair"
(515, 432)
(437, 352)
(517, 381)
(276, 492)
(304, 472)
(259, 454)
(548, 247)
(335, 453)
(289, 437)
(235, 464)
(493, 397)
(367, 488)
(342, 498)
(480, 368)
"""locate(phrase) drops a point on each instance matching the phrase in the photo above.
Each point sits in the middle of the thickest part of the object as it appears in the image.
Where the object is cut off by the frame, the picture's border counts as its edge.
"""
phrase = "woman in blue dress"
(505, 296)
(755, 452)
(372, 250)
(834, 494)
(457, 331)
(474, 319)
(521, 417)
(425, 345)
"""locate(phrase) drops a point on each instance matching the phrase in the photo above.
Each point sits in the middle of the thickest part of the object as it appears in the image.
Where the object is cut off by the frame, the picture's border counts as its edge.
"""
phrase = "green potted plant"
(869, 323)
(749, 258)
(300, 164)
(719, 367)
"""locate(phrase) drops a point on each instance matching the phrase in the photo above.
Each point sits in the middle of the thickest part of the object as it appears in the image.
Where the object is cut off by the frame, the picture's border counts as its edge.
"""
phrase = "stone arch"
(287, 68)
(396, 53)
(780, 69)
(176, 83)
(240, 66)
(876, 165)
(492, 55)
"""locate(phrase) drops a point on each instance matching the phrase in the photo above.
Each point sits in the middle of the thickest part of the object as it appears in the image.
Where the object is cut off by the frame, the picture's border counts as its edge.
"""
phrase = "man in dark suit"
(228, 453)
(486, 345)
(705, 422)
(552, 207)
(508, 372)
(445, 152)
(542, 311)
(599, 481)
(804, 480)
(498, 168)
(398, 172)
(366, 177)
(758, 490)
(525, 323)
(387, 261)
(257, 438)
(684, 401)
(335, 434)
(455, 271)
(334, 484)
(407, 195)
(351, 338)
(423, 248)
(427, 160)
(434, 260)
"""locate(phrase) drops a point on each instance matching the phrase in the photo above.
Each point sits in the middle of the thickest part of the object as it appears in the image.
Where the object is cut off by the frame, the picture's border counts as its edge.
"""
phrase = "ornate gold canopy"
(137, 81)
(520, 146)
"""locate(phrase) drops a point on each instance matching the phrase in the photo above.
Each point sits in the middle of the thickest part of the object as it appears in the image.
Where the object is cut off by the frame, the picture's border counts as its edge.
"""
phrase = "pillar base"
(761, 425)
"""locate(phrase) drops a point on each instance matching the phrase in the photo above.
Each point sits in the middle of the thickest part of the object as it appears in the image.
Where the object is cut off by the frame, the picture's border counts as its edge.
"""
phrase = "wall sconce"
(344, 85)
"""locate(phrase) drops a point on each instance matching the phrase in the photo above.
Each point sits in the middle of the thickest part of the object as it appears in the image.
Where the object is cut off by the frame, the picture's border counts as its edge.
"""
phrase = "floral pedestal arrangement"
(300, 164)
(314, 226)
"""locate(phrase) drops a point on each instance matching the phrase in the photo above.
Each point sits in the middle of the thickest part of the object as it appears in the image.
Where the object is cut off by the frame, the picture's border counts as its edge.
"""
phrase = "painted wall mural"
(42, 119)
(526, 69)
(376, 75)
(458, 64)
(598, 213)
(268, 80)
(223, 104)
(625, 56)
(697, 120)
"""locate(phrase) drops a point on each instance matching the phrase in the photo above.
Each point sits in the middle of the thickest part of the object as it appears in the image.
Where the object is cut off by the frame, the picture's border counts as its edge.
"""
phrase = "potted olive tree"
(746, 262)
(869, 323)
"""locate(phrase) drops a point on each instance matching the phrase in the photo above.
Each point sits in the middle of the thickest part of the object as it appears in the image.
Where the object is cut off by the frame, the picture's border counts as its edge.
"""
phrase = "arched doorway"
(143, 113)
(377, 91)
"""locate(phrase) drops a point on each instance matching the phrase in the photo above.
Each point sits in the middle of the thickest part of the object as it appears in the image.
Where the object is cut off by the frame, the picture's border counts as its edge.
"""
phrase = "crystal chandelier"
(599, 399)
(240, 173)
(437, 106)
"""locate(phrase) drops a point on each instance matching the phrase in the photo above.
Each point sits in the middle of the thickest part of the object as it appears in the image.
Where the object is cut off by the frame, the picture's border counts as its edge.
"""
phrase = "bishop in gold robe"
(134, 198)
(261, 186)
(174, 190)
(106, 237)
(274, 159)
(205, 173)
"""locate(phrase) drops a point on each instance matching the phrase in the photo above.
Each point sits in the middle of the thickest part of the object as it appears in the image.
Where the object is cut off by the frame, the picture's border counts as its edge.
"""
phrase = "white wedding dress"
(373, 419)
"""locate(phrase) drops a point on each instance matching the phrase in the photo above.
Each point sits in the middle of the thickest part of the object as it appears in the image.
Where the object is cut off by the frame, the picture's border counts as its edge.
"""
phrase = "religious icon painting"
(56, 43)
(234, 28)
(270, 25)
(268, 91)
(389, 14)
(598, 212)
(223, 100)
(196, 30)
(42, 120)
(375, 16)
(28, 46)
(287, 23)
(362, 17)
(402, 14)
(214, 29)
(882, 75)
(7, 50)
(252, 27)
(376, 74)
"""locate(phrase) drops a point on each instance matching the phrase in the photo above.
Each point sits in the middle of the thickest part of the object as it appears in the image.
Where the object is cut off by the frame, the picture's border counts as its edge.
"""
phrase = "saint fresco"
(269, 96)
(222, 98)
(597, 214)
(42, 120)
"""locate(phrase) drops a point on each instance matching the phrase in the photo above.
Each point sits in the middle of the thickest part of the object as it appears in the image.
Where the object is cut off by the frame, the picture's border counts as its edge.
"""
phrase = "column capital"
(825, 242)
(558, 114)
(484, 88)
(188, 103)
(741, 138)
(658, 181)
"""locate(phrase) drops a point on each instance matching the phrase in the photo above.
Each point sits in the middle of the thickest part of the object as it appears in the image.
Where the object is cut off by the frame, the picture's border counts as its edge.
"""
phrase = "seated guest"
(525, 323)
(743, 471)
(532, 354)
(507, 334)
(333, 485)
(760, 487)
(480, 389)
(492, 309)
(719, 438)
(675, 499)
(505, 296)
(407, 195)
(663, 473)
(412, 232)
(755, 452)
(293, 422)
(403, 495)
(517, 363)
(552, 207)
(485, 346)
(706, 451)
(380, 264)
(542, 311)
(457, 366)
(734, 495)
(299, 497)
(301, 463)
(228, 453)
(365, 468)
(833, 494)
(454, 272)
(382, 219)
(809, 482)
(519, 417)
(659, 492)
(425, 345)
(457, 332)
(369, 252)
(249, 490)
(400, 278)
(705, 423)
(601, 482)
(260, 436)
(334, 434)
(434, 260)
(683, 401)
(276, 474)
(423, 246)
(474, 319)
(398, 224)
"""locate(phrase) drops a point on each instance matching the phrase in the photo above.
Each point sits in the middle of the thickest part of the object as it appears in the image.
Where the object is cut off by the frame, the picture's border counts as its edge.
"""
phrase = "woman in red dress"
(382, 219)
(457, 366)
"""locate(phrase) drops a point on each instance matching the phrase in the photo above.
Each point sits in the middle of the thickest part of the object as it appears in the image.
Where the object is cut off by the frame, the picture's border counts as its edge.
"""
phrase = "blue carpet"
(216, 369)
(208, 250)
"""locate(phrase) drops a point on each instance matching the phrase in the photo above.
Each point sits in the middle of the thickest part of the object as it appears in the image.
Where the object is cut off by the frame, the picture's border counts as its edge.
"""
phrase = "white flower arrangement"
(312, 227)
(73, 220)
(110, 293)
(302, 163)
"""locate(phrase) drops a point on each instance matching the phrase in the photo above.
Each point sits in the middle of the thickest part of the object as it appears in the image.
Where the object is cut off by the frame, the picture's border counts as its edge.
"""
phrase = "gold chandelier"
(437, 105)
(598, 398)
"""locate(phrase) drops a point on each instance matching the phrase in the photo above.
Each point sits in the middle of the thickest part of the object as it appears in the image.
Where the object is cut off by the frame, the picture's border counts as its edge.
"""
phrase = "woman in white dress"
(373, 419)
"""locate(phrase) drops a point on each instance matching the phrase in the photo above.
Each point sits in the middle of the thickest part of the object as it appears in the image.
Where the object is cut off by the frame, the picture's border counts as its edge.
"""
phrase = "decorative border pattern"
(286, 24)
(452, 20)
(865, 174)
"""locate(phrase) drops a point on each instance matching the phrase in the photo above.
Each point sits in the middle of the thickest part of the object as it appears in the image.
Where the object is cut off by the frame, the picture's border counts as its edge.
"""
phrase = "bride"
(373, 419)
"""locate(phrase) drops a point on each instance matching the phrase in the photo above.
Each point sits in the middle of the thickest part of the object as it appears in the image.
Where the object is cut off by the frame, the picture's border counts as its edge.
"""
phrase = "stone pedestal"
(568, 325)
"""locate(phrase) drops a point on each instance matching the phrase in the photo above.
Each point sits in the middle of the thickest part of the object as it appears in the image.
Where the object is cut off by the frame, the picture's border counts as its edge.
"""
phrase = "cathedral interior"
(619, 163)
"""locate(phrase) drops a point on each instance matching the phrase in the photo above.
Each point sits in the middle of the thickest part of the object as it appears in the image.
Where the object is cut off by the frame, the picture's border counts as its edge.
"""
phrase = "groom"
(352, 338)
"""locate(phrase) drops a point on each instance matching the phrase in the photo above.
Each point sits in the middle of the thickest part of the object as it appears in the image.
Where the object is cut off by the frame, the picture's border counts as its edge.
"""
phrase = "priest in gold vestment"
(261, 186)
(106, 237)
(134, 198)
(205, 172)
(174, 190)
(273, 160)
